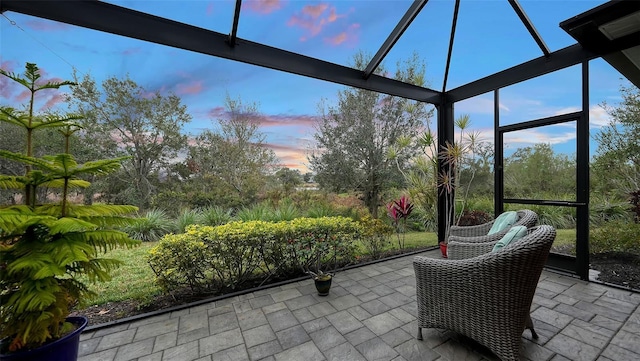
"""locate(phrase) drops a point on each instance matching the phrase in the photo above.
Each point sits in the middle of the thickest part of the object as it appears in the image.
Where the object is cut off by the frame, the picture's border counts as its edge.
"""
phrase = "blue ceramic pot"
(63, 349)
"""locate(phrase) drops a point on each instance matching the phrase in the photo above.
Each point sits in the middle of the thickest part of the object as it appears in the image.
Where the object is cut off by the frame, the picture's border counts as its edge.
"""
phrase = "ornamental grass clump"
(151, 227)
(45, 246)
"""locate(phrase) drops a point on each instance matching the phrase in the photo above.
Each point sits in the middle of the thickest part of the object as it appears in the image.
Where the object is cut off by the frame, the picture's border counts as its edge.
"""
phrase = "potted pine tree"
(45, 246)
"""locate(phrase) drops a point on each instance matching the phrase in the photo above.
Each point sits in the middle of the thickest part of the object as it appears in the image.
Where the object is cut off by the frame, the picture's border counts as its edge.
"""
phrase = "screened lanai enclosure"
(610, 31)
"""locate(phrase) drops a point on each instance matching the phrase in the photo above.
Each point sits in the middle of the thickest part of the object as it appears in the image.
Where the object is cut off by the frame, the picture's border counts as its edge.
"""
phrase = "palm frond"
(12, 182)
(107, 239)
(102, 215)
(103, 166)
(69, 225)
(19, 157)
(59, 183)
(34, 295)
(52, 121)
(104, 210)
(17, 78)
(97, 269)
(54, 85)
(15, 117)
(69, 249)
(37, 263)
(16, 219)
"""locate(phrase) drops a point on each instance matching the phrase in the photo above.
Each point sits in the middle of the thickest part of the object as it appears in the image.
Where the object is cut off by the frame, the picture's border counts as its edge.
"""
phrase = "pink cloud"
(290, 120)
(148, 93)
(314, 18)
(338, 39)
(23, 96)
(290, 156)
(275, 120)
(8, 65)
(7, 86)
(53, 100)
(46, 25)
(314, 10)
(210, 9)
(283, 147)
(350, 36)
(263, 6)
(194, 87)
(217, 112)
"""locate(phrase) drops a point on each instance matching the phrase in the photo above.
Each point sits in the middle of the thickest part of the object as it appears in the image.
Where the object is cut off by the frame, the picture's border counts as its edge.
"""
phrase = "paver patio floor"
(370, 314)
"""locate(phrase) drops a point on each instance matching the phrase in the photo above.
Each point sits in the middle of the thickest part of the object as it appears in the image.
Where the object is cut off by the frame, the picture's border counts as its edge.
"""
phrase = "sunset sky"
(489, 38)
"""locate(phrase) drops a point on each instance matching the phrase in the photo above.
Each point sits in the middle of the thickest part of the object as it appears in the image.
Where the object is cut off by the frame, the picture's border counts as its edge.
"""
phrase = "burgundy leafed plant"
(399, 210)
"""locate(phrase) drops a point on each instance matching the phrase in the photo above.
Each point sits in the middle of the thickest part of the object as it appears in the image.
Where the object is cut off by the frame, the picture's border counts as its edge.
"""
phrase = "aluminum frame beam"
(118, 20)
(529, 25)
(233, 35)
(452, 36)
(397, 32)
(563, 58)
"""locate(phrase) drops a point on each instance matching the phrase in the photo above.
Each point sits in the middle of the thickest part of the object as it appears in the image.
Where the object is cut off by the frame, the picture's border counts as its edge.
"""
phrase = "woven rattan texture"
(472, 241)
(487, 298)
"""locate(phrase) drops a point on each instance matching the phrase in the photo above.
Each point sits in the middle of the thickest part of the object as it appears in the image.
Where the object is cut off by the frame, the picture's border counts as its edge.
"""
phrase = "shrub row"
(616, 236)
(226, 256)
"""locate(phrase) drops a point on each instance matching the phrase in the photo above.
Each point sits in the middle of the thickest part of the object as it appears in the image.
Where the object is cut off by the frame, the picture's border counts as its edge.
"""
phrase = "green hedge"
(616, 236)
(226, 256)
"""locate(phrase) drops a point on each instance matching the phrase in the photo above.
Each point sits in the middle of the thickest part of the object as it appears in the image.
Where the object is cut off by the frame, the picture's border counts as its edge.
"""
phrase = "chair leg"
(419, 333)
(529, 325)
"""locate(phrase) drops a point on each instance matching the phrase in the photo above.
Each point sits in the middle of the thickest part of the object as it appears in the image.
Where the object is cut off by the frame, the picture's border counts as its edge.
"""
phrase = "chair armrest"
(527, 218)
(470, 231)
(464, 250)
(480, 239)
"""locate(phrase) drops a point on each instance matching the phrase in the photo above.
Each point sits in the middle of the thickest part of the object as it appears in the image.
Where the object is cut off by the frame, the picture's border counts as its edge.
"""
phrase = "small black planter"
(323, 285)
(63, 349)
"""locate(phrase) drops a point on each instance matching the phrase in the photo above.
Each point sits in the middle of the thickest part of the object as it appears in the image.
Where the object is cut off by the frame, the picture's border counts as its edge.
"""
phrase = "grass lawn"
(134, 279)
(416, 240)
(565, 237)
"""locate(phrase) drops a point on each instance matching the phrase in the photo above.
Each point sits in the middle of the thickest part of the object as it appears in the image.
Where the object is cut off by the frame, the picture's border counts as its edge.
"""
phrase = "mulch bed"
(615, 267)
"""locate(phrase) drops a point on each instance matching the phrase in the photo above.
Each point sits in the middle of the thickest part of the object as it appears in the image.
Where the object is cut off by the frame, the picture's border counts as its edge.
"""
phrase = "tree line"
(367, 143)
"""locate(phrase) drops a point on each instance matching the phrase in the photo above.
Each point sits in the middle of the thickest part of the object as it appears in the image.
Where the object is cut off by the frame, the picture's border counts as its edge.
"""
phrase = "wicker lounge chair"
(487, 298)
(471, 241)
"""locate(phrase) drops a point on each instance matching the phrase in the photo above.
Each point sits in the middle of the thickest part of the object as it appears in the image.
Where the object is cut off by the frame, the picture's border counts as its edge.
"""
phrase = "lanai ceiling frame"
(114, 19)
(617, 50)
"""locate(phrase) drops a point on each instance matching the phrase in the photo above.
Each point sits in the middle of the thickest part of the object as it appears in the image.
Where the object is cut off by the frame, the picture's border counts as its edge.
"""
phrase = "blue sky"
(489, 38)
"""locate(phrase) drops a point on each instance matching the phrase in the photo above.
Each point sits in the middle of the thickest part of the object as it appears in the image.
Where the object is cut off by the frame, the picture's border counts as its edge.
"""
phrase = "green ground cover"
(134, 279)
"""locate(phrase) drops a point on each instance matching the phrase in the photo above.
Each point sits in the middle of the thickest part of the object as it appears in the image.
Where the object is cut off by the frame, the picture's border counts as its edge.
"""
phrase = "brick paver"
(370, 314)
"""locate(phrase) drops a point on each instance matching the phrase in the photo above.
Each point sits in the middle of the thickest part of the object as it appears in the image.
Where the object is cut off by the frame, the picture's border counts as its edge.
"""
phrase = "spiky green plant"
(319, 210)
(44, 246)
(216, 216)
(259, 212)
(286, 212)
(151, 227)
(186, 218)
